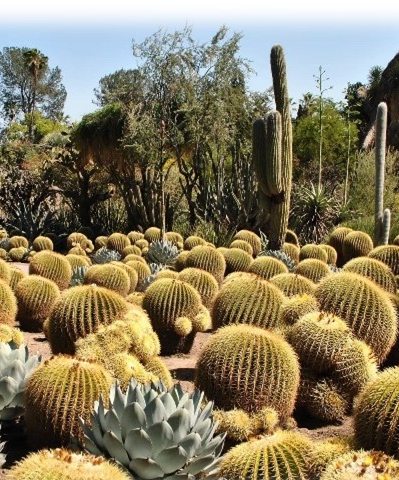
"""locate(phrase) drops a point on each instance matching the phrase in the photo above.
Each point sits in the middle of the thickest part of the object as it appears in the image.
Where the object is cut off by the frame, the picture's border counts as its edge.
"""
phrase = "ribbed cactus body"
(205, 284)
(131, 249)
(380, 151)
(336, 240)
(18, 241)
(388, 254)
(267, 267)
(109, 276)
(81, 311)
(135, 298)
(78, 260)
(132, 257)
(247, 247)
(282, 456)
(312, 269)
(133, 236)
(193, 241)
(53, 266)
(373, 269)
(364, 306)
(246, 367)
(291, 237)
(237, 260)
(180, 262)
(100, 242)
(61, 464)
(332, 255)
(293, 308)
(76, 238)
(292, 251)
(357, 244)
(5, 271)
(166, 273)
(131, 272)
(256, 302)
(251, 238)
(117, 242)
(313, 251)
(36, 297)
(143, 271)
(18, 254)
(208, 259)
(292, 284)
(42, 243)
(175, 239)
(152, 234)
(8, 304)
(16, 276)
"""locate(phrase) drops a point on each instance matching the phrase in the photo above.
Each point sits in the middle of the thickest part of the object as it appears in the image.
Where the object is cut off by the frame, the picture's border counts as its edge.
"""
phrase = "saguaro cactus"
(382, 217)
(272, 155)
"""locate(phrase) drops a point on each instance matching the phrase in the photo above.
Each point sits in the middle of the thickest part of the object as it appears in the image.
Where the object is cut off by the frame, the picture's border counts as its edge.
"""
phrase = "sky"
(90, 39)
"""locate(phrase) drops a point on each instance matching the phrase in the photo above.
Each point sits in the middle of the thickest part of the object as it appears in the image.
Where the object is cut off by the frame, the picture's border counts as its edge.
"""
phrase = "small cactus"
(312, 269)
(292, 284)
(357, 244)
(53, 266)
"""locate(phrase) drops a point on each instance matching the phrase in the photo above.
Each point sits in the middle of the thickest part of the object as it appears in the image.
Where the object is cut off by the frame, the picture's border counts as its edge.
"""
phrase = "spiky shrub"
(131, 249)
(53, 266)
(176, 313)
(109, 276)
(180, 262)
(16, 366)
(5, 271)
(313, 251)
(247, 367)
(293, 308)
(133, 236)
(267, 267)
(292, 284)
(336, 240)
(36, 297)
(131, 272)
(332, 255)
(152, 234)
(292, 251)
(362, 464)
(313, 269)
(16, 276)
(100, 242)
(357, 244)
(60, 391)
(80, 311)
(18, 241)
(162, 252)
(282, 456)
(364, 306)
(162, 433)
(143, 272)
(373, 269)
(237, 260)
(78, 260)
(205, 284)
(117, 242)
(243, 245)
(256, 302)
(251, 238)
(62, 464)
(8, 304)
(193, 241)
(388, 254)
(105, 255)
(208, 259)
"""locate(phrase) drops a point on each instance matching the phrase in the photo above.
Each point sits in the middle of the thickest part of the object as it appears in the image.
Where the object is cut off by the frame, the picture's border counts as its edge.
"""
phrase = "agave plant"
(155, 269)
(15, 367)
(162, 252)
(154, 432)
(78, 275)
(105, 255)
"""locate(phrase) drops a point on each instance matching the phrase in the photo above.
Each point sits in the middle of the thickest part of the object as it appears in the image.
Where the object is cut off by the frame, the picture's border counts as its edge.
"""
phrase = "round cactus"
(100, 242)
(282, 456)
(18, 241)
(313, 251)
(336, 240)
(292, 251)
(292, 284)
(8, 304)
(143, 271)
(291, 237)
(76, 238)
(117, 242)
(205, 284)
(247, 367)
(357, 244)
(3, 254)
(53, 266)
(135, 298)
(143, 244)
(131, 249)
(78, 260)
(152, 234)
(172, 306)
(208, 259)
(332, 255)
(251, 238)
(133, 236)
(175, 238)
(388, 254)
(77, 250)
(16, 276)
(58, 393)
(364, 306)
(5, 271)
(293, 308)
(312, 269)
(193, 241)
(166, 273)
(109, 276)
(328, 450)
(61, 464)
(131, 272)
(18, 254)
(13, 336)
(180, 262)
(255, 302)
(237, 260)
(80, 311)
(243, 245)
(373, 269)
(267, 267)
(132, 257)
(42, 243)
(36, 297)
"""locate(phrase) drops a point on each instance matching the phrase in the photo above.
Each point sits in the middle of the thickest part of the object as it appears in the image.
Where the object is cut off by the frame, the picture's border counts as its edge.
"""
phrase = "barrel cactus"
(247, 367)
(292, 284)
(76, 238)
(117, 242)
(109, 276)
(388, 254)
(293, 308)
(19, 254)
(208, 259)
(143, 271)
(53, 266)
(42, 243)
(152, 234)
(131, 273)
(132, 257)
(78, 260)
(134, 235)
(131, 249)
(267, 267)
(357, 244)
(237, 260)
(312, 250)
(36, 297)
(205, 284)
(18, 241)
(336, 240)
(180, 262)
(193, 241)
(175, 238)
(332, 255)
(5, 271)
(8, 304)
(100, 241)
(313, 269)
(373, 269)
(251, 238)
(243, 245)
(160, 433)
(292, 251)
(16, 276)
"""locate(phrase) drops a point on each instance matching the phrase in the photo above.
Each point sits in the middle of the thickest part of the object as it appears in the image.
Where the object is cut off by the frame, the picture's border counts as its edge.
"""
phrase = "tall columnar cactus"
(272, 154)
(382, 218)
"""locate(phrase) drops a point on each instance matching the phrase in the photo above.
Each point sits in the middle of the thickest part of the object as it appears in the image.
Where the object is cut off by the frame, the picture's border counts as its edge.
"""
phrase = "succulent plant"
(357, 244)
(131, 272)
(100, 242)
(327, 450)
(280, 255)
(117, 242)
(313, 251)
(162, 252)
(336, 240)
(76, 238)
(373, 269)
(5, 244)
(53, 266)
(143, 272)
(152, 234)
(105, 255)
(5, 271)
(155, 432)
(312, 269)
(135, 298)
(109, 276)
(292, 251)
(255, 302)
(237, 260)
(18, 241)
(42, 243)
(267, 267)
(175, 238)
(8, 304)
(292, 284)
(193, 241)
(364, 306)
(180, 262)
(143, 244)
(60, 391)
(132, 257)
(168, 273)
(293, 308)
(18, 254)
(388, 254)
(78, 275)
(243, 245)
(207, 258)
(61, 464)
(78, 260)
(205, 284)
(80, 311)
(332, 255)
(131, 250)
(133, 236)
(77, 250)
(36, 297)
(155, 269)
(251, 238)
(281, 456)
(3, 254)
(247, 367)
(291, 237)
(13, 336)
(16, 276)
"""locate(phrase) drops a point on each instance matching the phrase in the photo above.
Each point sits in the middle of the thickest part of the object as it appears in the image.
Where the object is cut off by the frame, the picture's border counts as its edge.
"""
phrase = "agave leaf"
(191, 443)
(203, 427)
(180, 423)
(155, 412)
(117, 401)
(212, 446)
(161, 435)
(112, 424)
(138, 444)
(101, 413)
(172, 459)
(132, 418)
(15, 370)
(199, 464)
(8, 388)
(115, 449)
(91, 447)
(206, 412)
(168, 403)
(146, 468)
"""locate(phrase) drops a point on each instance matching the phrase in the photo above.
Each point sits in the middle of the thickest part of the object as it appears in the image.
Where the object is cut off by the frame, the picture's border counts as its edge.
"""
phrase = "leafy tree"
(122, 86)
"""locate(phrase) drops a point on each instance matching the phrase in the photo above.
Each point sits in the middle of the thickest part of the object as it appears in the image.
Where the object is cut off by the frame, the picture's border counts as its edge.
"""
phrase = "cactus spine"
(382, 218)
(272, 154)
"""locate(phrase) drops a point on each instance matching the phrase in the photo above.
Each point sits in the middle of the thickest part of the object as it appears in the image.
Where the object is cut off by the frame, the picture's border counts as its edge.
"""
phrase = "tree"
(123, 86)
(27, 83)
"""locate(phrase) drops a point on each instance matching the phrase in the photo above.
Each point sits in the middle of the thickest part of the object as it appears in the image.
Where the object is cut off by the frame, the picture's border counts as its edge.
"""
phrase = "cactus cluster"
(251, 238)
(373, 269)
(336, 240)
(205, 284)
(267, 267)
(207, 258)
(313, 269)
(292, 284)
(109, 276)
(237, 260)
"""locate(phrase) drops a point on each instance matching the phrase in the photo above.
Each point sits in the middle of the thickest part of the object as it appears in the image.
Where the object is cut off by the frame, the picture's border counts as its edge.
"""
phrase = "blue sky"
(86, 50)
